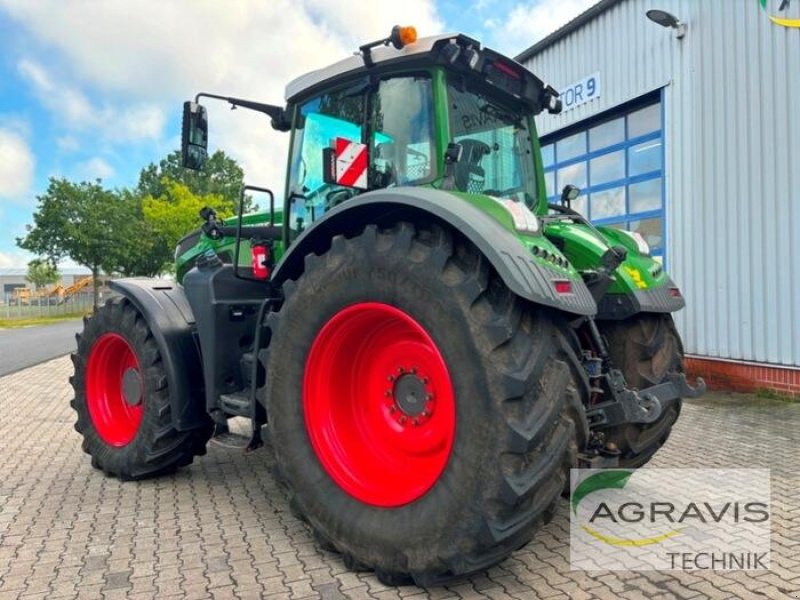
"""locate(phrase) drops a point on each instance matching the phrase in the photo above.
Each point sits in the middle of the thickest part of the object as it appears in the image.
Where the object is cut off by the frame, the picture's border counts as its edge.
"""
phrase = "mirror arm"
(277, 113)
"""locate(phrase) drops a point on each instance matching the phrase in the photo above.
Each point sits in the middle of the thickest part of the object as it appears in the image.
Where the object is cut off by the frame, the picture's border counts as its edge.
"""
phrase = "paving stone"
(222, 527)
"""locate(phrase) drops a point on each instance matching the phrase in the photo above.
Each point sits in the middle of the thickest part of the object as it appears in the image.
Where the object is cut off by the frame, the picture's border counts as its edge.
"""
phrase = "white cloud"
(526, 24)
(161, 53)
(96, 168)
(72, 109)
(17, 165)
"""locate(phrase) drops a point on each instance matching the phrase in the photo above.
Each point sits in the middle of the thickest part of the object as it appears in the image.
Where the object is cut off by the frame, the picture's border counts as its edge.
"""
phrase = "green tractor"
(430, 345)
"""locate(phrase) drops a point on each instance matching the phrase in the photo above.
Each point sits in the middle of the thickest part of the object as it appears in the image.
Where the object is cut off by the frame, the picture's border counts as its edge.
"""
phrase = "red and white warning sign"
(351, 163)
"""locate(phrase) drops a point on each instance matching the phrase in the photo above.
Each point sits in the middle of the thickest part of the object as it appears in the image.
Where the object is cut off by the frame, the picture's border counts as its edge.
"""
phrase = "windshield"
(497, 156)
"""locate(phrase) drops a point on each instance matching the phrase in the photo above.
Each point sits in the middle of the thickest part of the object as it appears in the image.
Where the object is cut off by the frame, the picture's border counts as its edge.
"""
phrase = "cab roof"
(458, 52)
(353, 64)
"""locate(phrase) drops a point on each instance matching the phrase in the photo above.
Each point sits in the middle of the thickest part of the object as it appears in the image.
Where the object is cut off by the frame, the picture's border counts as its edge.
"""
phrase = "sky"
(93, 88)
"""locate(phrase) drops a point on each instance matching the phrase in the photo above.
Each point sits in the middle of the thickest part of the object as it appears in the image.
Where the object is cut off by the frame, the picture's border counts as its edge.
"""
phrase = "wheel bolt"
(415, 422)
(403, 419)
(425, 413)
(425, 380)
(428, 397)
(400, 370)
(387, 393)
(392, 408)
(390, 378)
(414, 370)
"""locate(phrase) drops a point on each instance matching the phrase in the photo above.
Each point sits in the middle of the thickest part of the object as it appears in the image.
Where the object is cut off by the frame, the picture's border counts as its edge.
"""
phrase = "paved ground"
(222, 528)
(27, 346)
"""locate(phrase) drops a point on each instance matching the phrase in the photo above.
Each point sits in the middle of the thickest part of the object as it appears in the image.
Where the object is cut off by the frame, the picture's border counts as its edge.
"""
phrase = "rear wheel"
(122, 398)
(423, 417)
(645, 348)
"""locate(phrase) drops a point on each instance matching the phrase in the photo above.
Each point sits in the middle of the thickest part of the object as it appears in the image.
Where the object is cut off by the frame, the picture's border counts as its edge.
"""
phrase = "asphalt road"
(28, 346)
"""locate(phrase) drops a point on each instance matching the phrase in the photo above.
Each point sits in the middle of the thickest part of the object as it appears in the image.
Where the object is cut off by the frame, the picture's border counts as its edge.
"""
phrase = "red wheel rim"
(379, 404)
(116, 412)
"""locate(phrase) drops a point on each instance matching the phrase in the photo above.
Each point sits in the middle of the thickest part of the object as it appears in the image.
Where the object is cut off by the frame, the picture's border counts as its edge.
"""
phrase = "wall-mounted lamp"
(665, 19)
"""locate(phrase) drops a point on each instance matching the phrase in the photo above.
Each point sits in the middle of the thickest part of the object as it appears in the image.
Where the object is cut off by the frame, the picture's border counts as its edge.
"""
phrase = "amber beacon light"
(403, 36)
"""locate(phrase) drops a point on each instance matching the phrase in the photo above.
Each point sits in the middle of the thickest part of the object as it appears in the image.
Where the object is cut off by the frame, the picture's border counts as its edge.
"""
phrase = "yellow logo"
(636, 275)
(782, 21)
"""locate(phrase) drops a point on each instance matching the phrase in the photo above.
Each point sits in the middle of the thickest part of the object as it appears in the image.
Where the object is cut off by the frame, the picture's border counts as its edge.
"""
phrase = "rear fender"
(163, 305)
(511, 259)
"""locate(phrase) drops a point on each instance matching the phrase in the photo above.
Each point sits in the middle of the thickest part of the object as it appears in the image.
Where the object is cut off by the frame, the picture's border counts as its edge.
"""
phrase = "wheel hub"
(132, 387)
(410, 398)
(410, 394)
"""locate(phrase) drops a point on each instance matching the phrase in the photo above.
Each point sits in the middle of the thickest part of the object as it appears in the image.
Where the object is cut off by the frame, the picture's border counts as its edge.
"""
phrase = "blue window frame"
(617, 160)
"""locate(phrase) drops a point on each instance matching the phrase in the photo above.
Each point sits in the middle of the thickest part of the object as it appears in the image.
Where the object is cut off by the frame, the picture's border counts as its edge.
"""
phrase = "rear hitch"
(643, 406)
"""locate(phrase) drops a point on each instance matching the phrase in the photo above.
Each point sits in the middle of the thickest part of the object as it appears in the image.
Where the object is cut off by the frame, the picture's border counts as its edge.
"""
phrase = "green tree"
(139, 251)
(221, 176)
(41, 273)
(175, 213)
(81, 221)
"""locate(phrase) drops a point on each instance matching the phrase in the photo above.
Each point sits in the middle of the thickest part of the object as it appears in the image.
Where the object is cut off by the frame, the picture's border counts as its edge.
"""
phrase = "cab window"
(318, 122)
(399, 145)
(497, 154)
(402, 123)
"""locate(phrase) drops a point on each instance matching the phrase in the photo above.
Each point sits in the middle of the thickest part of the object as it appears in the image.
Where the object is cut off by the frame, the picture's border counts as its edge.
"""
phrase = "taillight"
(562, 286)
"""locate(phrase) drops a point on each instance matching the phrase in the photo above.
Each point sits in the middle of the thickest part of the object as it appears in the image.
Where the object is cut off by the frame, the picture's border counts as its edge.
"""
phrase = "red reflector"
(563, 287)
(675, 292)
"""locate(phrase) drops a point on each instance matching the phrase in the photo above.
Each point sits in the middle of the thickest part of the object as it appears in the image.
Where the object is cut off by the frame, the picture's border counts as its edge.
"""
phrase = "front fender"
(526, 277)
(163, 305)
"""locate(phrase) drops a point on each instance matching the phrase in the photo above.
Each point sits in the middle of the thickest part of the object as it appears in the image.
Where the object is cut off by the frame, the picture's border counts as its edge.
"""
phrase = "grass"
(33, 321)
(770, 394)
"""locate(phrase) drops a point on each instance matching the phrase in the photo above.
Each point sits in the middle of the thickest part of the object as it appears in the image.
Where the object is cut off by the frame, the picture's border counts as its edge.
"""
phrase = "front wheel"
(645, 347)
(423, 417)
(122, 398)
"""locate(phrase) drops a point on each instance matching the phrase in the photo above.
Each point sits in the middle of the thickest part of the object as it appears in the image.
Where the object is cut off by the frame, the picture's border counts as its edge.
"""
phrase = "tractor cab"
(441, 112)
(392, 117)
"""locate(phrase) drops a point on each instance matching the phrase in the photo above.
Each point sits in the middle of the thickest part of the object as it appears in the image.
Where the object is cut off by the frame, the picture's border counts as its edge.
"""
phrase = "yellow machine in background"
(58, 292)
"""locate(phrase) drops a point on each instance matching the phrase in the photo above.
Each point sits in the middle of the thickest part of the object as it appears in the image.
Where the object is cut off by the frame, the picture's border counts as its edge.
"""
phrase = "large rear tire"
(645, 348)
(122, 398)
(423, 417)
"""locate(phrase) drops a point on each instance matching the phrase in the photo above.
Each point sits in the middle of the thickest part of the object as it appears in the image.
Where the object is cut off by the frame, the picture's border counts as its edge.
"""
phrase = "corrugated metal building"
(691, 135)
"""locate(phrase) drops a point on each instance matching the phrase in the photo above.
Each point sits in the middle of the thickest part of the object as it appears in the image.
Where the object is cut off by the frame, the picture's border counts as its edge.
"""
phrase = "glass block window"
(618, 162)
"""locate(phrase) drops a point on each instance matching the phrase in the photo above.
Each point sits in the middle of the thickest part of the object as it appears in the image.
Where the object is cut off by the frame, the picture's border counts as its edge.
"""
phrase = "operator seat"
(469, 175)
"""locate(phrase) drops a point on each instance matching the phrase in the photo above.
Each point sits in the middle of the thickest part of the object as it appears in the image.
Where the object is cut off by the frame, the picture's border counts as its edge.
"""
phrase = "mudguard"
(163, 305)
(663, 299)
(511, 259)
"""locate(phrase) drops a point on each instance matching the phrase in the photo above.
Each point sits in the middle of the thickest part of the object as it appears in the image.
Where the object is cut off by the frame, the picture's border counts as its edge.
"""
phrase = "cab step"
(236, 404)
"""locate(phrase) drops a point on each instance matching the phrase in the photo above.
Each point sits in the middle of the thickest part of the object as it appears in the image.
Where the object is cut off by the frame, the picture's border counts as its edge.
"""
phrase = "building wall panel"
(732, 128)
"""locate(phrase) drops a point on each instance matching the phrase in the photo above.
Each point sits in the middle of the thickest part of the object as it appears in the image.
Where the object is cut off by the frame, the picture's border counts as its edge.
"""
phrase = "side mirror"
(194, 136)
(569, 193)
